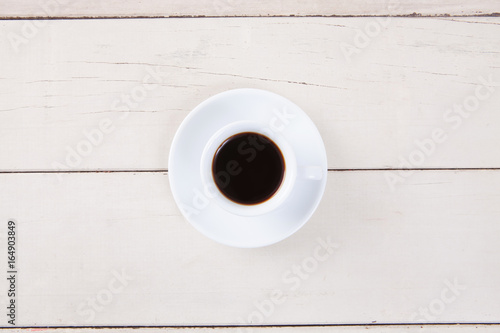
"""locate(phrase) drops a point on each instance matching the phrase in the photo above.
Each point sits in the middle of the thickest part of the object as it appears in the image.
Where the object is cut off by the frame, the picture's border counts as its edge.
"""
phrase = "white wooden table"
(405, 95)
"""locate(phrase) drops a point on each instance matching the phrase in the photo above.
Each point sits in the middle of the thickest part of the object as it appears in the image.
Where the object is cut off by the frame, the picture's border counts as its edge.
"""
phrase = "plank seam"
(252, 326)
(97, 17)
(166, 170)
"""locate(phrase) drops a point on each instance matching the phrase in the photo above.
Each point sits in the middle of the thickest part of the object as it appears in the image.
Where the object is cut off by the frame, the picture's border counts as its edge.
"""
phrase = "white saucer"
(205, 208)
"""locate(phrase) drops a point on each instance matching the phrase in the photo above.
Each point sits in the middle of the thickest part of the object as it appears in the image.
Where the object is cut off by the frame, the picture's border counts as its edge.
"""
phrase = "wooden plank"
(112, 249)
(156, 8)
(371, 100)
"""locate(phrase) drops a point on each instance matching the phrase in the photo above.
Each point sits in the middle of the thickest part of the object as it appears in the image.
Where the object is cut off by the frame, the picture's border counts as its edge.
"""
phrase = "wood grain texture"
(221, 8)
(68, 81)
(112, 248)
(430, 246)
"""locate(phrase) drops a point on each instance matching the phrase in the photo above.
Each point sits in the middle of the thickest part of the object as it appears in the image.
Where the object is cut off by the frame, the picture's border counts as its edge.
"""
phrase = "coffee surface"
(248, 168)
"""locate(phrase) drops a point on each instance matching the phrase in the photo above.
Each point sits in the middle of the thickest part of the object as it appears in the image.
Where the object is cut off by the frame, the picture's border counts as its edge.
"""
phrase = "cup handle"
(311, 172)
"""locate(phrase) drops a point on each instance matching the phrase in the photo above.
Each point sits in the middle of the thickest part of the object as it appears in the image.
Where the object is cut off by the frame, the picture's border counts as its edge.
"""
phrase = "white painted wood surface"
(169, 8)
(395, 253)
(400, 249)
(72, 75)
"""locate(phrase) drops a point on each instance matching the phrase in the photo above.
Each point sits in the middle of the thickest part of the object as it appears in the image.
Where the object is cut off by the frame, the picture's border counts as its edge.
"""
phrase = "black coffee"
(248, 168)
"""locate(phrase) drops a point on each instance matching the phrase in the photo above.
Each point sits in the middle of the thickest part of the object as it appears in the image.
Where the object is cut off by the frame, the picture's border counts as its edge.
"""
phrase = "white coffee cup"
(191, 175)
